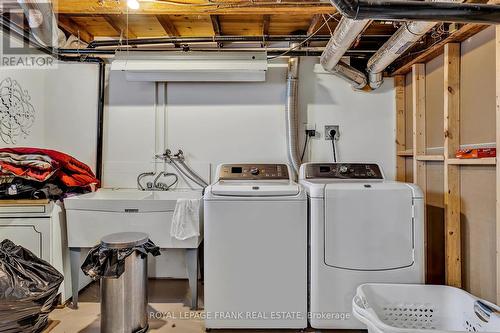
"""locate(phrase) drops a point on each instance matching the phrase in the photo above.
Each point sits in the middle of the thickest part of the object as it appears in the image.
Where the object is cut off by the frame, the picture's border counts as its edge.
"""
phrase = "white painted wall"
(65, 102)
(242, 122)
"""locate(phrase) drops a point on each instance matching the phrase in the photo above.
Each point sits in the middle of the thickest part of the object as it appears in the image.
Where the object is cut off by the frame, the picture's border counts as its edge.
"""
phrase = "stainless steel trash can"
(124, 300)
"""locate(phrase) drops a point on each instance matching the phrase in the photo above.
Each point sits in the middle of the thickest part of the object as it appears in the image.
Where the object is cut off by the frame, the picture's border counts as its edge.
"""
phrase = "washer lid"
(369, 226)
(255, 189)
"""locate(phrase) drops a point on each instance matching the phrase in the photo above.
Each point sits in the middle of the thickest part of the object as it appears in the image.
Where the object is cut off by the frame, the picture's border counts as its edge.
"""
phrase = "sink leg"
(74, 258)
(192, 272)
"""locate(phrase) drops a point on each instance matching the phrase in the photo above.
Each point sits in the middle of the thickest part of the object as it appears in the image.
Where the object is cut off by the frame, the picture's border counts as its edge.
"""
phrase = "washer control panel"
(253, 172)
(344, 171)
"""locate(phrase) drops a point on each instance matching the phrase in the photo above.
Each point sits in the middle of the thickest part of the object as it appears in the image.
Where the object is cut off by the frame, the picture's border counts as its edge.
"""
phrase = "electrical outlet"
(332, 127)
(311, 128)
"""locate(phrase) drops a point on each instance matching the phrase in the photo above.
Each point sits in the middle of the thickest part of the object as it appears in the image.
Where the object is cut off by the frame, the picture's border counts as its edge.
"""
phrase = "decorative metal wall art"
(17, 114)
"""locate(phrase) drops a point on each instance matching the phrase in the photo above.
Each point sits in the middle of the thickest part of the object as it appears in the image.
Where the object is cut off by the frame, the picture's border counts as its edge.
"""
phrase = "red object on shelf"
(476, 153)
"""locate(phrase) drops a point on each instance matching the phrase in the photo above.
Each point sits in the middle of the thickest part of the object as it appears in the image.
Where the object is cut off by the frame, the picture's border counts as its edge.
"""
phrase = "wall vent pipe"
(343, 37)
(400, 10)
(291, 112)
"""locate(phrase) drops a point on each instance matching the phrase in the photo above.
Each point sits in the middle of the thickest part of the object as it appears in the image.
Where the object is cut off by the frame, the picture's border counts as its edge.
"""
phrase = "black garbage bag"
(108, 262)
(28, 289)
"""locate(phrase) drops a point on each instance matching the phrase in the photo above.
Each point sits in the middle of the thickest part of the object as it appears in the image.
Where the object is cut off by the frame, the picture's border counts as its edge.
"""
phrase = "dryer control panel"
(253, 172)
(344, 171)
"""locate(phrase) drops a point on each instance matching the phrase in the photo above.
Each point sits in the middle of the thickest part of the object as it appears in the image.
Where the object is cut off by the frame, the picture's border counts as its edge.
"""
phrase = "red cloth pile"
(41, 164)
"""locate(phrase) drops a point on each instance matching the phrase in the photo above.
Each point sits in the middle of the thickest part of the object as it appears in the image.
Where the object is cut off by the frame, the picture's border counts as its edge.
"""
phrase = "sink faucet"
(139, 178)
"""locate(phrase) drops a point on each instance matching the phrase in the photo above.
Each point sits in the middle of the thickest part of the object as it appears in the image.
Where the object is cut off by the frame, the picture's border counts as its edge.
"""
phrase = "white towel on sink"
(186, 219)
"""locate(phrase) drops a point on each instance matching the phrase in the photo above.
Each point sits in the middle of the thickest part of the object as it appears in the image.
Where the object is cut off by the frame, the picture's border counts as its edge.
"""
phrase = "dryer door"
(368, 226)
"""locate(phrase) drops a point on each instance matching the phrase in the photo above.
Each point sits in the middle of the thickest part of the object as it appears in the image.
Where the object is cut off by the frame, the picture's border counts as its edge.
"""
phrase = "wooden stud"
(316, 22)
(70, 26)
(418, 86)
(399, 87)
(419, 168)
(497, 43)
(167, 25)
(266, 21)
(216, 25)
(120, 26)
(451, 92)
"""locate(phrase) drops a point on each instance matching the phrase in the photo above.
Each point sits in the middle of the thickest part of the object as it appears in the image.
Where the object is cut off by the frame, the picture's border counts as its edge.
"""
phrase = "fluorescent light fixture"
(192, 66)
(133, 4)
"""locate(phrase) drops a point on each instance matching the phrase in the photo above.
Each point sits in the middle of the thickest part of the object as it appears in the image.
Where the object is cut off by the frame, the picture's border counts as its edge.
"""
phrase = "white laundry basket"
(404, 308)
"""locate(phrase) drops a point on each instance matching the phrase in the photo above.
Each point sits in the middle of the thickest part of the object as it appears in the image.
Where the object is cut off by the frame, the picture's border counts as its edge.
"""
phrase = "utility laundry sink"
(91, 216)
(128, 201)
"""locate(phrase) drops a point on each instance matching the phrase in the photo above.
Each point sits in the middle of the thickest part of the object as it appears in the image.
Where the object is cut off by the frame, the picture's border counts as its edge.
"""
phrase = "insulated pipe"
(402, 40)
(344, 36)
(291, 114)
(398, 10)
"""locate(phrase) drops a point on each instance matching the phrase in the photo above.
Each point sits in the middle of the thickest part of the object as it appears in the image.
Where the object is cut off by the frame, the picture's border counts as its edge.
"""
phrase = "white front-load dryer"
(363, 229)
(255, 249)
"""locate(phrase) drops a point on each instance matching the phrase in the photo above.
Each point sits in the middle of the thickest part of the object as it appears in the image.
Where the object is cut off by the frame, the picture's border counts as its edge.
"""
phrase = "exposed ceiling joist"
(316, 22)
(193, 7)
(167, 25)
(266, 21)
(119, 25)
(216, 25)
(70, 26)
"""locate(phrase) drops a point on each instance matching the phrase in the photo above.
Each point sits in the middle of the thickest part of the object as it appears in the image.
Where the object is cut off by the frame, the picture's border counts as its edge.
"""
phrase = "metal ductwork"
(398, 10)
(292, 117)
(344, 36)
(42, 22)
(402, 40)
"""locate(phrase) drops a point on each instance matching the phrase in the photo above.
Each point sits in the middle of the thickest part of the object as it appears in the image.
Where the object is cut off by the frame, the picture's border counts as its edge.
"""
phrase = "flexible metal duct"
(399, 10)
(42, 22)
(343, 37)
(350, 74)
(292, 121)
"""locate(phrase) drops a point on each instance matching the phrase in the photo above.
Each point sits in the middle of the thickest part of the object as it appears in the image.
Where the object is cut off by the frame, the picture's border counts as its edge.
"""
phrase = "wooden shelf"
(430, 158)
(473, 161)
(408, 152)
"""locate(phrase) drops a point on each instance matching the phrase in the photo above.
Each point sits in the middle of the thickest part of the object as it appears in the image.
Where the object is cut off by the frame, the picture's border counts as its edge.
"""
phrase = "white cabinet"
(40, 228)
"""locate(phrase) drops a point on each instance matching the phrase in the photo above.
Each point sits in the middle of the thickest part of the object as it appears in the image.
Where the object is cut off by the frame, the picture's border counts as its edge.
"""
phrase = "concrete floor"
(168, 297)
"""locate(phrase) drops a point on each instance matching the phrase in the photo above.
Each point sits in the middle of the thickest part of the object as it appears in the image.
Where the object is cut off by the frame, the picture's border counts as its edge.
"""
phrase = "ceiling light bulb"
(133, 4)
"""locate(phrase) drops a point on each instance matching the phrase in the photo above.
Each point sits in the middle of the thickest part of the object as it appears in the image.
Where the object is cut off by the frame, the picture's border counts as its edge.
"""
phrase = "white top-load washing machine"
(362, 229)
(255, 248)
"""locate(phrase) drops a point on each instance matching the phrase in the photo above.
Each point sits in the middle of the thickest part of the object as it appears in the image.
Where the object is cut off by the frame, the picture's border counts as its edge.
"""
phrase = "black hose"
(305, 147)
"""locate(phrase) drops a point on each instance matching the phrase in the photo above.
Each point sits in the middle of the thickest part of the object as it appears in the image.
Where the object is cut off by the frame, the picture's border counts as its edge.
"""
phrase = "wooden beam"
(451, 91)
(497, 50)
(316, 22)
(473, 161)
(405, 64)
(419, 168)
(119, 25)
(216, 25)
(399, 87)
(70, 26)
(192, 7)
(167, 25)
(266, 21)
